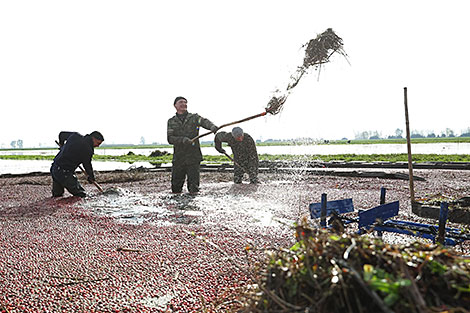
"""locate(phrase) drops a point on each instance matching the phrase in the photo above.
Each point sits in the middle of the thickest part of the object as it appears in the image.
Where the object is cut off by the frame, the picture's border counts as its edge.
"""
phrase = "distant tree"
(449, 132)
(431, 135)
(142, 140)
(13, 144)
(374, 135)
(398, 133)
(416, 135)
(19, 143)
(465, 133)
(362, 135)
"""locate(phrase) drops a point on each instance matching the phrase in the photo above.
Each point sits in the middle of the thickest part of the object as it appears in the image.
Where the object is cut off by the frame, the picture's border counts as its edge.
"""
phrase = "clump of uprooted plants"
(329, 272)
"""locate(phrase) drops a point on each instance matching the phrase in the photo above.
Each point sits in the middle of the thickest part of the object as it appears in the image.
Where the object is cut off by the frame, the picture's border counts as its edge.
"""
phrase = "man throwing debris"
(187, 154)
(244, 153)
(75, 149)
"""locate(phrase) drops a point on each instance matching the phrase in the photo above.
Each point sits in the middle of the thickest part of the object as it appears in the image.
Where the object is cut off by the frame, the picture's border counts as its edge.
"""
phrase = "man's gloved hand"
(222, 151)
(187, 141)
(90, 179)
(214, 129)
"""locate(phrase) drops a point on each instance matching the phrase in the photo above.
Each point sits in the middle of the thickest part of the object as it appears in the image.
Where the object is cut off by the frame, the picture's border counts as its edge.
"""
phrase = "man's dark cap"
(97, 135)
(178, 99)
(237, 132)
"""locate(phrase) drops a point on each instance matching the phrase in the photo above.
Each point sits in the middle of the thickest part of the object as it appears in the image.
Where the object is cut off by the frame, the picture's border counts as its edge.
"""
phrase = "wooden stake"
(323, 211)
(444, 211)
(408, 142)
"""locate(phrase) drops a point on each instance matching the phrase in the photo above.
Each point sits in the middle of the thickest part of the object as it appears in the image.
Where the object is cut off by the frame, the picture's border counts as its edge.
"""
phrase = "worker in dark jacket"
(244, 152)
(75, 149)
(187, 155)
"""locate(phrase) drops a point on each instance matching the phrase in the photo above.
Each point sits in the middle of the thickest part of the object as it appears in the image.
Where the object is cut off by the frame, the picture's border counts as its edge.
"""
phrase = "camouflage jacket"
(244, 152)
(177, 130)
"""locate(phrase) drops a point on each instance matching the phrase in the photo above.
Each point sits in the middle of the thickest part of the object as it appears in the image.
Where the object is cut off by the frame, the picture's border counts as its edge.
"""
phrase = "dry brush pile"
(330, 272)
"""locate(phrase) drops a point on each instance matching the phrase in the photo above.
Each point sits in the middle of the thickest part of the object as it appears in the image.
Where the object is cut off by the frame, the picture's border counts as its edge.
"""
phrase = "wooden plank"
(381, 212)
(338, 206)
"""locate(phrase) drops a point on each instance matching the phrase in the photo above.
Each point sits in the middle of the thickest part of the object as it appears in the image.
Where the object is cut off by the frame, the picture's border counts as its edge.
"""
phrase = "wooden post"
(323, 210)
(443, 212)
(382, 195)
(408, 142)
(382, 201)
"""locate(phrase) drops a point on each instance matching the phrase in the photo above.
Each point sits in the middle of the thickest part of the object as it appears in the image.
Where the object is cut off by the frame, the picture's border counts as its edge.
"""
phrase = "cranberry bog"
(143, 249)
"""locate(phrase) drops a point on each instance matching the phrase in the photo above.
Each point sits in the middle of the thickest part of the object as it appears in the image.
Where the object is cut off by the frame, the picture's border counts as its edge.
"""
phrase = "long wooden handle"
(94, 182)
(231, 123)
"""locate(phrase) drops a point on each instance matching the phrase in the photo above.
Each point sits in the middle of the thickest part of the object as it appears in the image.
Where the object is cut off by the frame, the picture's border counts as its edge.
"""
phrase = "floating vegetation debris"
(330, 272)
(317, 52)
(275, 104)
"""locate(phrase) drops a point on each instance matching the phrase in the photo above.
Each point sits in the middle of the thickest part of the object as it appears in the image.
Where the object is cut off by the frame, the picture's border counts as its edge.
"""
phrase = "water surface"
(27, 166)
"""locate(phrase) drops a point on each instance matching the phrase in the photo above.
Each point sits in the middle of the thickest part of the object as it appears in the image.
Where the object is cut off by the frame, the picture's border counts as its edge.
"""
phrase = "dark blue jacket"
(75, 150)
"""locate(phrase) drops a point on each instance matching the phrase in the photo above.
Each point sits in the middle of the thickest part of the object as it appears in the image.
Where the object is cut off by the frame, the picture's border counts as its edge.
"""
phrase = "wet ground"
(139, 248)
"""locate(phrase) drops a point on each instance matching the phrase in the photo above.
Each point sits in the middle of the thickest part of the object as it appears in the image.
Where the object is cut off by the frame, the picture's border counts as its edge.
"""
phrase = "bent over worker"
(187, 156)
(75, 149)
(244, 153)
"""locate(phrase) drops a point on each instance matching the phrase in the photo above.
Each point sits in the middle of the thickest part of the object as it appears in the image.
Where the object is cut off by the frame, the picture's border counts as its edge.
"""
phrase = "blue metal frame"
(378, 219)
(381, 213)
(337, 206)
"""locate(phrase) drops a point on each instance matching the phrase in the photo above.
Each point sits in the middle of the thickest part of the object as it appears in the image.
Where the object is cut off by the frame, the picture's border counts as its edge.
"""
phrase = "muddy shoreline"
(169, 253)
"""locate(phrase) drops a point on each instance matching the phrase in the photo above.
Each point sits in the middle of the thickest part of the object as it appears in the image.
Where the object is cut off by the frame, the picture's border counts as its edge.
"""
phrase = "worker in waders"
(75, 149)
(187, 154)
(244, 152)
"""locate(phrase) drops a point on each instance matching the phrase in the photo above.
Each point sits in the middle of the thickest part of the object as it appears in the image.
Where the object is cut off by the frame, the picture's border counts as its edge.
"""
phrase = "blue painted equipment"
(379, 219)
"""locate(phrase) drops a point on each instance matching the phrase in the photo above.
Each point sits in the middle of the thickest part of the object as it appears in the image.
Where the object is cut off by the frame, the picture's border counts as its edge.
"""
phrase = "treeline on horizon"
(284, 142)
(365, 137)
(311, 141)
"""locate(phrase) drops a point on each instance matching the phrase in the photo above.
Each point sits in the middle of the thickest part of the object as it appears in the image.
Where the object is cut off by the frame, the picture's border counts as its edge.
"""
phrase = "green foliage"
(437, 268)
(385, 282)
(328, 272)
(218, 159)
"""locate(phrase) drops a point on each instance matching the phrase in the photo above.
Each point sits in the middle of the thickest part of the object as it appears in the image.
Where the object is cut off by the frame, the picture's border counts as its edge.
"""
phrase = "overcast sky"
(116, 67)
